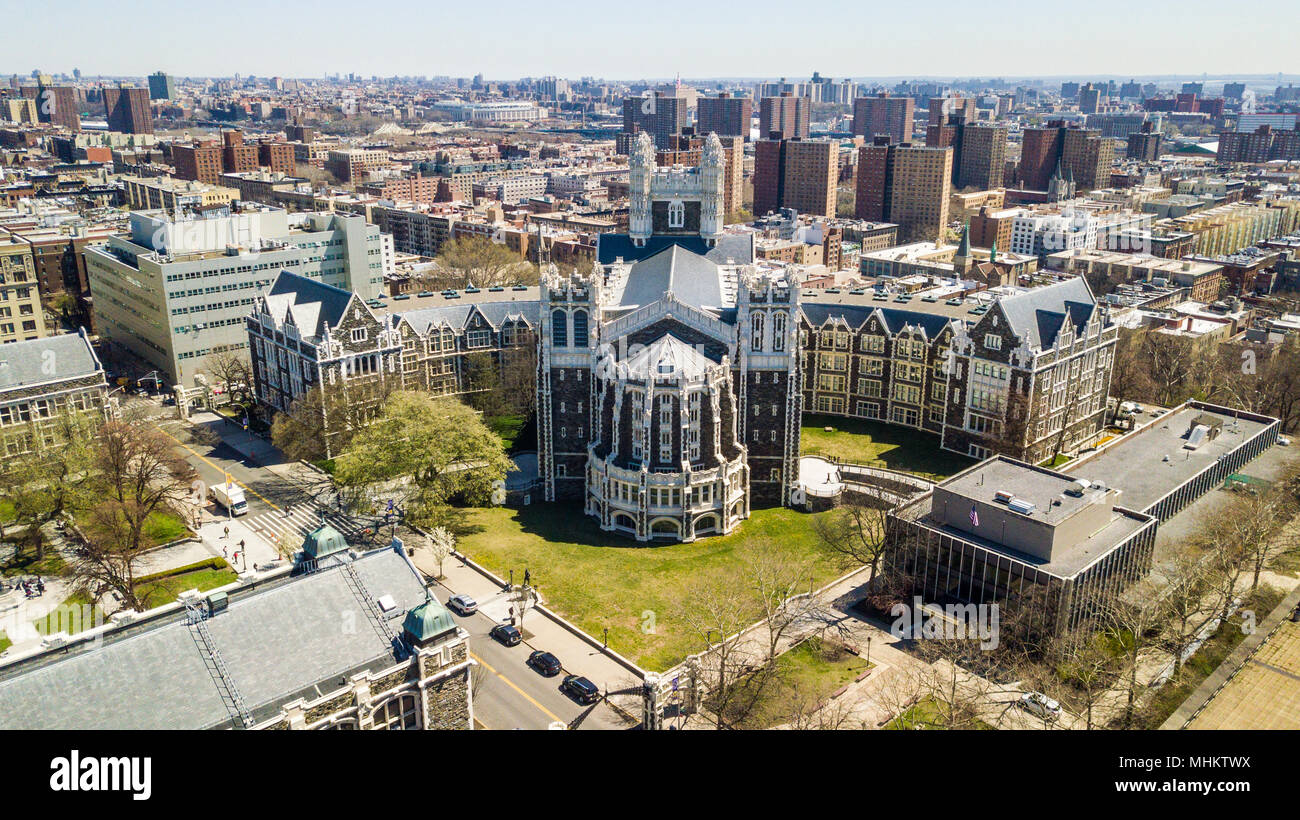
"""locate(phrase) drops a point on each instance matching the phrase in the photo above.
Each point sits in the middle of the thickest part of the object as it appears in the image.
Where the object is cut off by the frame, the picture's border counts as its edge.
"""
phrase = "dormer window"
(359, 334)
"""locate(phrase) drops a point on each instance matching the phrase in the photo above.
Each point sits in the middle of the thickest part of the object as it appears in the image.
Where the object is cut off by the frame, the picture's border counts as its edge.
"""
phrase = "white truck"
(230, 496)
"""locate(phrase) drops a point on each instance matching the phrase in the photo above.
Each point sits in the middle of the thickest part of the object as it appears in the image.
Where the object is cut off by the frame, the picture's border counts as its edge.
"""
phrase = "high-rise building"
(1084, 153)
(724, 115)
(1091, 99)
(979, 150)
(1144, 144)
(55, 104)
(162, 86)
(795, 173)
(942, 108)
(655, 114)
(1265, 144)
(21, 315)
(883, 114)
(785, 117)
(277, 157)
(905, 184)
(127, 109)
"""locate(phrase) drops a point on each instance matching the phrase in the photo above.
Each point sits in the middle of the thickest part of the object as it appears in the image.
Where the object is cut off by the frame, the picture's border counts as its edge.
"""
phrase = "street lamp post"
(868, 650)
(606, 646)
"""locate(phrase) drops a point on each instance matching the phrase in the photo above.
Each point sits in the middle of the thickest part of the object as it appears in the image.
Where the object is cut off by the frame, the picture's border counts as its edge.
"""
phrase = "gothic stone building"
(668, 393)
(304, 333)
(1028, 378)
(271, 654)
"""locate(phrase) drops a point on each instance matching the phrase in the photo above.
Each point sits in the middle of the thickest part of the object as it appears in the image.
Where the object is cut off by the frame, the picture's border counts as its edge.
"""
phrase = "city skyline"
(593, 39)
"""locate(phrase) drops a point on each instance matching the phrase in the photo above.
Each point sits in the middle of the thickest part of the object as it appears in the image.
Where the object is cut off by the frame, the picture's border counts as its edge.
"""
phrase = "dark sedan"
(506, 634)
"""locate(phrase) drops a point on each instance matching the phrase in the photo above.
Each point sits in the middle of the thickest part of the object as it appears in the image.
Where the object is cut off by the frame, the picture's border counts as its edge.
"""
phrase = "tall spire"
(963, 248)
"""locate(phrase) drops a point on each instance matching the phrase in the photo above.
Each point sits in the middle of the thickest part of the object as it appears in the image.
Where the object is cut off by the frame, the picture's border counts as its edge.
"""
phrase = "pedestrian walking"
(225, 553)
(225, 532)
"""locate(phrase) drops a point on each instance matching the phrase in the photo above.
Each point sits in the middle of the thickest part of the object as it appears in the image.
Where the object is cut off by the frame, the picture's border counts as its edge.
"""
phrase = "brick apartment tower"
(883, 114)
(724, 115)
(906, 184)
(797, 174)
(786, 115)
(127, 110)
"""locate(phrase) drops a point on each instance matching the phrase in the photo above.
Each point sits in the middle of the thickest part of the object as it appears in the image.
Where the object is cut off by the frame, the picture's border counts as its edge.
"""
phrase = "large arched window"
(399, 713)
(580, 328)
(560, 329)
(778, 332)
(756, 336)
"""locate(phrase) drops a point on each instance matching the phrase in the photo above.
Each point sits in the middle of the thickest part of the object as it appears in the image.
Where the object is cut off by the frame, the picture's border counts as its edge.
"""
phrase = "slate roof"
(69, 356)
(856, 315)
(693, 279)
(737, 247)
(668, 356)
(285, 640)
(1037, 316)
(314, 304)
(457, 316)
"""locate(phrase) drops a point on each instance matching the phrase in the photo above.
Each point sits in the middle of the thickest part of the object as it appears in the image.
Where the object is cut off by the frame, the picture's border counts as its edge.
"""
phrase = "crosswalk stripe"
(302, 519)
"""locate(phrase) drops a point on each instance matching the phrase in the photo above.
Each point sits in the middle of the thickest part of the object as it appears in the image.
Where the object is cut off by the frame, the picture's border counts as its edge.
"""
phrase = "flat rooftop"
(395, 304)
(916, 304)
(1042, 487)
(1135, 463)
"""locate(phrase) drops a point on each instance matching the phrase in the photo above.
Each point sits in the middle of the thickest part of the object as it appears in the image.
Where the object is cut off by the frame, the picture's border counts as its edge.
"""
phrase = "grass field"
(5, 643)
(154, 592)
(806, 675)
(927, 714)
(600, 580)
(861, 441)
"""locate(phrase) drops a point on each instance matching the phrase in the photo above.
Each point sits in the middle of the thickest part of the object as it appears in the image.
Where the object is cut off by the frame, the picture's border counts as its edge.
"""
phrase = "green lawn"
(926, 714)
(600, 580)
(861, 441)
(154, 591)
(165, 590)
(5, 643)
(806, 675)
(25, 562)
(161, 527)
(6, 511)
(507, 427)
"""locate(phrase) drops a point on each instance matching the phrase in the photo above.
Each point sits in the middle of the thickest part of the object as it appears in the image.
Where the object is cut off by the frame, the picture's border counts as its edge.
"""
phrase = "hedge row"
(210, 563)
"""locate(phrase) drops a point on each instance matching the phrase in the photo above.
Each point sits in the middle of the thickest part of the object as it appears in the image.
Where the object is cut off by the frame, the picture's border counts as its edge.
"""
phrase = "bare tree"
(716, 607)
(479, 262)
(856, 532)
(1134, 624)
(233, 373)
(140, 474)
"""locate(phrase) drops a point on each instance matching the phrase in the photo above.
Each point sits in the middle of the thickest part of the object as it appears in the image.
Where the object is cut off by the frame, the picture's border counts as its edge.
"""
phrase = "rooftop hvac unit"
(1021, 506)
(1003, 497)
(1078, 488)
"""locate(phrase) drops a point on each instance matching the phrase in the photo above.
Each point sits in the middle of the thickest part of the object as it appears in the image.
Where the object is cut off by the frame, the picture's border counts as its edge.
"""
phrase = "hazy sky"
(616, 39)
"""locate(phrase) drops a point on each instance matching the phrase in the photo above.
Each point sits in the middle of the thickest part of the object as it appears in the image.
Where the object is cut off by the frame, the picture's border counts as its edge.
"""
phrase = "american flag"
(974, 516)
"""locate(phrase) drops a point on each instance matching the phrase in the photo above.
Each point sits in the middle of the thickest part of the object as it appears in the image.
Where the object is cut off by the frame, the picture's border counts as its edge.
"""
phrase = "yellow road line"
(219, 469)
(512, 685)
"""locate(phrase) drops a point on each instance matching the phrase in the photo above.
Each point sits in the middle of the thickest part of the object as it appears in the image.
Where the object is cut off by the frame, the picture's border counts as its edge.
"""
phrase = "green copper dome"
(322, 541)
(427, 621)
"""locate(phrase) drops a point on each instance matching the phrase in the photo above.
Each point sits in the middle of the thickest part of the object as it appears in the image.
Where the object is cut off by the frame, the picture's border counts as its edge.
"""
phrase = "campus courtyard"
(876, 444)
(637, 591)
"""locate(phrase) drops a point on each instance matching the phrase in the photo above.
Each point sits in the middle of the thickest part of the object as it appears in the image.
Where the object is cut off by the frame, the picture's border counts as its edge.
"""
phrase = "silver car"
(1040, 705)
(462, 604)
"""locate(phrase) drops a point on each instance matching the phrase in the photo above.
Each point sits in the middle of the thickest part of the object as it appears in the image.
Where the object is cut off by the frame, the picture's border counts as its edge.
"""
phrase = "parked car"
(1284, 441)
(506, 634)
(580, 689)
(462, 604)
(545, 663)
(1040, 705)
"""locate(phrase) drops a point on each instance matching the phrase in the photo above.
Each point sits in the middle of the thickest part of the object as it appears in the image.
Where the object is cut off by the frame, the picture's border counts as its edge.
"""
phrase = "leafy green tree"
(422, 453)
(55, 479)
(477, 262)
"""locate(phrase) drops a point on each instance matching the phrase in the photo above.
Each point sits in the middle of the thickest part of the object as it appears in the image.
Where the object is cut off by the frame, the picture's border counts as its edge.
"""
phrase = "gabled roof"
(1038, 315)
(692, 279)
(737, 247)
(458, 316)
(893, 319)
(669, 357)
(314, 305)
(54, 358)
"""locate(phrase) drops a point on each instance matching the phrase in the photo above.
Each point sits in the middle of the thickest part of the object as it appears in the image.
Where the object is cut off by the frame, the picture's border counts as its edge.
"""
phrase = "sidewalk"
(541, 632)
